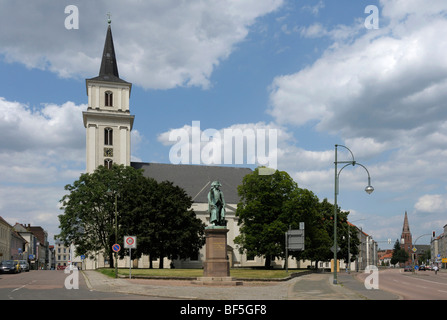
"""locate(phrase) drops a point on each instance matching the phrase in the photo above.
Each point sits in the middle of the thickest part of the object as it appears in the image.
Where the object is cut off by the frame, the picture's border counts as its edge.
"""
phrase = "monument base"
(217, 281)
(216, 263)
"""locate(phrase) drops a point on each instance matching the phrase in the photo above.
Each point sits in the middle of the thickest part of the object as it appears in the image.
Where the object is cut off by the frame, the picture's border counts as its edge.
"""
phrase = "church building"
(406, 238)
(108, 124)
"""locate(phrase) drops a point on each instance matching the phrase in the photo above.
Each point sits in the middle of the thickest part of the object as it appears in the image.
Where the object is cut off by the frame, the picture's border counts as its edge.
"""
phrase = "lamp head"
(369, 189)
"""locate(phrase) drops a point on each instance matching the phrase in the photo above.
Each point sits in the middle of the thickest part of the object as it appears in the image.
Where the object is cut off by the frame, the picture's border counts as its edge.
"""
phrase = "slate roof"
(109, 67)
(196, 179)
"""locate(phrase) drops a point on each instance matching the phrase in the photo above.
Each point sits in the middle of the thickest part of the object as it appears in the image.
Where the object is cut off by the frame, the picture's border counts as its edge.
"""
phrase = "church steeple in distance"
(406, 226)
(406, 238)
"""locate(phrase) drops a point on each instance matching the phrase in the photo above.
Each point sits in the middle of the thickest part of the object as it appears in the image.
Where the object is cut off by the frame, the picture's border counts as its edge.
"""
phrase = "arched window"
(108, 136)
(108, 163)
(108, 102)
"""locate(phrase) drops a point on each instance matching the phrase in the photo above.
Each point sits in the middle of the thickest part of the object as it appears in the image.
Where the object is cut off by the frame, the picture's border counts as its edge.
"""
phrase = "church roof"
(109, 68)
(196, 179)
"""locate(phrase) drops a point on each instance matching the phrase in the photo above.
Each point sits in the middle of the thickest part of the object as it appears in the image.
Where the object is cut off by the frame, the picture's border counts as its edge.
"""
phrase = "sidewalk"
(316, 286)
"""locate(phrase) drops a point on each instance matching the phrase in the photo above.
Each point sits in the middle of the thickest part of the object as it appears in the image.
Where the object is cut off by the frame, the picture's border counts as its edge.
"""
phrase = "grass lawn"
(194, 273)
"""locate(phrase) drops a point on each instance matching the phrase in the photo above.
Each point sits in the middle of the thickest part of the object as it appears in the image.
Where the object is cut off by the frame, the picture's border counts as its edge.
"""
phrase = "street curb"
(291, 276)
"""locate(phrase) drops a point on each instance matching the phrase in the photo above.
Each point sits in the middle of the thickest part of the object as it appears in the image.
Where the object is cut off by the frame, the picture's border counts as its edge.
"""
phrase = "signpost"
(294, 242)
(129, 243)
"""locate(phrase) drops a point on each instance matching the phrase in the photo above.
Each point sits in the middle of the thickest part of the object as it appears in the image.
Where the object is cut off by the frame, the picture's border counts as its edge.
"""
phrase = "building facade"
(438, 248)
(5, 240)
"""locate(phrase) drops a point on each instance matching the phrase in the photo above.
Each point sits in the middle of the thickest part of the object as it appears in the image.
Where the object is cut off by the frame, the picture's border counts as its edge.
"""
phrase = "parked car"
(408, 268)
(422, 268)
(10, 266)
(24, 265)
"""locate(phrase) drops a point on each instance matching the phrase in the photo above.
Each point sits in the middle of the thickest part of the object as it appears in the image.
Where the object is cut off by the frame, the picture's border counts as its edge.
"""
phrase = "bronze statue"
(216, 205)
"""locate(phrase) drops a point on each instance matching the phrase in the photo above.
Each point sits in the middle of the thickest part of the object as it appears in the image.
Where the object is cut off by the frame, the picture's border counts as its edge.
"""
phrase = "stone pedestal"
(216, 268)
(216, 262)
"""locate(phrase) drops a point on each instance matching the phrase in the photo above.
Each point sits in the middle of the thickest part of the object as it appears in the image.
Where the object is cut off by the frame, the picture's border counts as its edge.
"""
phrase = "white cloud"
(432, 203)
(382, 93)
(160, 44)
(316, 8)
(37, 145)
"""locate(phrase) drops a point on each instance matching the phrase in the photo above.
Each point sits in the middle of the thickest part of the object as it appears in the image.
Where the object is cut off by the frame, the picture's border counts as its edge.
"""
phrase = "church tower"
(108, 120)
(406, 238)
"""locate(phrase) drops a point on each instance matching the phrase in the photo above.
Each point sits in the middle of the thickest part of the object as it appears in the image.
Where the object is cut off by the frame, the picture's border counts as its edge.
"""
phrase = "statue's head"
(216, 184)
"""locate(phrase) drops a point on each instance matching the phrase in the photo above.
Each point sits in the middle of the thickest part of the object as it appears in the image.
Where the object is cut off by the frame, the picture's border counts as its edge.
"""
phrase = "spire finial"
(109, 21)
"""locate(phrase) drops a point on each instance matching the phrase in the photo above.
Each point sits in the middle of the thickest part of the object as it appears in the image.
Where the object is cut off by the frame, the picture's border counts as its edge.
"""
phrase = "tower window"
(108, 136)
(108, 99)
(108, 163)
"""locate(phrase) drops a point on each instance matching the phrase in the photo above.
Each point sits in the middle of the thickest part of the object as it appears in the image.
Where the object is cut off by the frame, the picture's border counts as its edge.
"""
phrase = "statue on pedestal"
(216, 206)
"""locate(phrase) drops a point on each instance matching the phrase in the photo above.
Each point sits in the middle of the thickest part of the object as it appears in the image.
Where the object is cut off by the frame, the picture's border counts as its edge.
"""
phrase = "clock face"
(108, 152)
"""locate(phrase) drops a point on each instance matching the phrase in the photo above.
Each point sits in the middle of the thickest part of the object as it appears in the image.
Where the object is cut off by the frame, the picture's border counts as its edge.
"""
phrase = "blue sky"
(309, 69)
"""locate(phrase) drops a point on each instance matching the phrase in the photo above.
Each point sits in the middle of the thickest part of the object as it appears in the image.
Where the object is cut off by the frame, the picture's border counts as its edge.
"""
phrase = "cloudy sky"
(316, 72)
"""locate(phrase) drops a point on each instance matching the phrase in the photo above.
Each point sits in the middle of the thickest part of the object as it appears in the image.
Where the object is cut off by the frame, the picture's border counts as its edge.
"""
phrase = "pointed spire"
(406, 227)
(109, 67)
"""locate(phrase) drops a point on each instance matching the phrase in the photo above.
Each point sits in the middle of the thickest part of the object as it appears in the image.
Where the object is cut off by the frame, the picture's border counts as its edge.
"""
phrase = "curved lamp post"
(369, 189)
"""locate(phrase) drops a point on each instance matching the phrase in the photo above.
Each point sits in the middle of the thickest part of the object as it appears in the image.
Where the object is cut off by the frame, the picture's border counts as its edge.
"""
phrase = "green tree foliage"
(89, 212)
(167, 226)
(271, 204)
(327, 211)
(261, 212)
(399, 254)
(159, 214)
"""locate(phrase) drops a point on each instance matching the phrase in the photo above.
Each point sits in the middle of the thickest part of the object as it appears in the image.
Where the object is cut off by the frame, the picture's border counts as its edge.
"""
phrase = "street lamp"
(110, 193)
(369, 189)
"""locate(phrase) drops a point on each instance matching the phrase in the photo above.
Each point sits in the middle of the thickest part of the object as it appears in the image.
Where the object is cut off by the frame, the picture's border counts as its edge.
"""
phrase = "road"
(423, 285)
(50, 285)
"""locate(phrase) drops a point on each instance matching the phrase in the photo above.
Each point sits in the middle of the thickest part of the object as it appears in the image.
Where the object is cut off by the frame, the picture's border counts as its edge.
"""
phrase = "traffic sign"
(130, 242)
(295, 240)
(333, 248)
(116, 247)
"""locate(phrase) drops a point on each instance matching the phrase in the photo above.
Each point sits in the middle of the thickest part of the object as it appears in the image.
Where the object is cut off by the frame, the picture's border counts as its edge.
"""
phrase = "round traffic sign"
(130, 242)
(116, 247)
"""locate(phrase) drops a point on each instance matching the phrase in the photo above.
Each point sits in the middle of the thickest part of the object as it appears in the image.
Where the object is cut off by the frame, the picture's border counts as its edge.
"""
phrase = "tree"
(89, 210)
(323, 239)
(159, 214)
(304, 206)
(262, 212)
(399, 254)
(166, 224)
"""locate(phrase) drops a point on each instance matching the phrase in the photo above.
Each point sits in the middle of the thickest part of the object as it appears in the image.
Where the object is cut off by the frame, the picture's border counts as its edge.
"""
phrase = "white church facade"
(108, 124)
